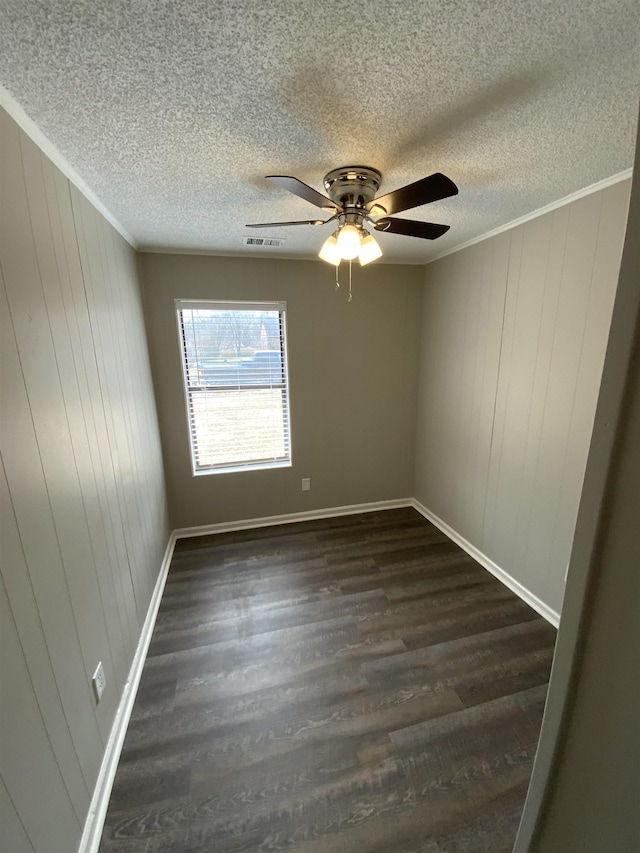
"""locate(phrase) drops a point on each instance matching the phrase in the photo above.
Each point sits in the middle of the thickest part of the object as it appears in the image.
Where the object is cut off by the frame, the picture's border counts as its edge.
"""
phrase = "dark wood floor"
(351, 684)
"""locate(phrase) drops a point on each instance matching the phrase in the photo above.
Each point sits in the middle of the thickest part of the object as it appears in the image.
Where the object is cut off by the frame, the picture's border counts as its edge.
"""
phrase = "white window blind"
(234, 364)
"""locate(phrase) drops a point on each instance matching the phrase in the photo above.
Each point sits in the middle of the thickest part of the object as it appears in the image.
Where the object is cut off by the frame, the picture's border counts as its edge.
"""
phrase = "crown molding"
(548, 208)
(13, 108)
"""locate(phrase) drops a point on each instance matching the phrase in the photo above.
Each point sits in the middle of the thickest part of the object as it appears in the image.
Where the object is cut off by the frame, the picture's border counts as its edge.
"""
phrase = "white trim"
(229, 305)
(100, 800)
(289, 518)
(515, 586)
(268, 521)
(9, 103)
(192, 392)
(268, 255)
(49, 149)
(548, 208)
(98, 808)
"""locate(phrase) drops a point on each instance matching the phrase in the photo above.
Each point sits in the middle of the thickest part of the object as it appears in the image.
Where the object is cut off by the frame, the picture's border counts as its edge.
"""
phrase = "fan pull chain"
(337, 282)
(350, 294)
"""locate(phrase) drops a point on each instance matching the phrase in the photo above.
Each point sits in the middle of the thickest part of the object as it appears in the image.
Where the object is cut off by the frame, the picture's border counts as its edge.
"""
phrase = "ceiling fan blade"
(297, 187)
(426, 190)
(411, 228)
(299, 222)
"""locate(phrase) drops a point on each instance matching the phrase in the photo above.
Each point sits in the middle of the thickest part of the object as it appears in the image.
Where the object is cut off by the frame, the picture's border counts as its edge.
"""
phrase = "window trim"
(227, 305)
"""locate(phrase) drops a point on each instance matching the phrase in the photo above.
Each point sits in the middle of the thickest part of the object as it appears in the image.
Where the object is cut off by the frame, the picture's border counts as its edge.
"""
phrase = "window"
(235, 378)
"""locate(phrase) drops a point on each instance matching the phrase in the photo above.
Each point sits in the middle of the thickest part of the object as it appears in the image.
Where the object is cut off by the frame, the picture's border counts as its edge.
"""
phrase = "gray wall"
(514, 332)
(83, 509)
(353, 380)
(585, 787)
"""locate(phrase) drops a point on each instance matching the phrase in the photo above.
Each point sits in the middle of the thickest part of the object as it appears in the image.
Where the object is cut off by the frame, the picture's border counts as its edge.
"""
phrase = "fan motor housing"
(352, 186)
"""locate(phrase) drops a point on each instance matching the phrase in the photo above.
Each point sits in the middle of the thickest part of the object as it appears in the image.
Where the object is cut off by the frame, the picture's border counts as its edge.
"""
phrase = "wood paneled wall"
(513, 340)
(84, 524)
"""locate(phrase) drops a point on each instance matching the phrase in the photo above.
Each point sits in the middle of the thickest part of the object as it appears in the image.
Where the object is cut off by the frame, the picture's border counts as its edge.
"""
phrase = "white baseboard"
(100, 800)
(515, 586)
(98, 809)
(94, 823)
(290, 518)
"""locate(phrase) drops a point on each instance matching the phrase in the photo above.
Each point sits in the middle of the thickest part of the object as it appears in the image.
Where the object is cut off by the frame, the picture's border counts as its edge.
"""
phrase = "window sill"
(235, 469)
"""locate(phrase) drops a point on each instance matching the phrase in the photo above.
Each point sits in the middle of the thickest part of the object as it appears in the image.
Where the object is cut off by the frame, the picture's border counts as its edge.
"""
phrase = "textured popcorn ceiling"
(173, 111)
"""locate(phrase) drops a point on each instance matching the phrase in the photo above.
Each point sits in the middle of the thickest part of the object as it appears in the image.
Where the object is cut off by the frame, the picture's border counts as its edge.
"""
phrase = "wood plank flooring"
(349, 684)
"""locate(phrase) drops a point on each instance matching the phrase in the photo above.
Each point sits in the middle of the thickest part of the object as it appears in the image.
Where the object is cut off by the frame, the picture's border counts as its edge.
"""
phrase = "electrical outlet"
(306, 484)
(98, 682)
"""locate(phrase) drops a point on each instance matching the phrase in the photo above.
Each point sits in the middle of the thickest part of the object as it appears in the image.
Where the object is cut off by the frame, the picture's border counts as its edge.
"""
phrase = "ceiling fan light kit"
(352, 201)
(330, 251)
(349, 243)
(369, 249)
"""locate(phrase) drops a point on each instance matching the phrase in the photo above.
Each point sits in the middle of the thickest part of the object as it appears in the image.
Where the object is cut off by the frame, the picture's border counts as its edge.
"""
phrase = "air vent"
(264, 241)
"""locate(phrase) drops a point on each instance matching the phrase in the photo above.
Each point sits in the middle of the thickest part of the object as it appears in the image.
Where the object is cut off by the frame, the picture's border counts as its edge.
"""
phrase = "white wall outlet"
(306, 484)
(98, 682)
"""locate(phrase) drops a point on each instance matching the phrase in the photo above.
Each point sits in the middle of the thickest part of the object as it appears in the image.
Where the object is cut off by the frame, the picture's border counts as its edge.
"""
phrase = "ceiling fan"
(351, 198)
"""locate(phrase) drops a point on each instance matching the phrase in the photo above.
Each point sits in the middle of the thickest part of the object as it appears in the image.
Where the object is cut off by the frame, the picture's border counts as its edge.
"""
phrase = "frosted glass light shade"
(330, 251)
(349, 242)
(369, 250)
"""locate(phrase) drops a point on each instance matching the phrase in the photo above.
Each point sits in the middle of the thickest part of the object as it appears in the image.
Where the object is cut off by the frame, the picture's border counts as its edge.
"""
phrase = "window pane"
(234, 367)
(234, 426)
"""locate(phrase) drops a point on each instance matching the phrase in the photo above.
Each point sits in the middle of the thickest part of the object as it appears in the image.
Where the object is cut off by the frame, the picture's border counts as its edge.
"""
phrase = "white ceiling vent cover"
(264, 241)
